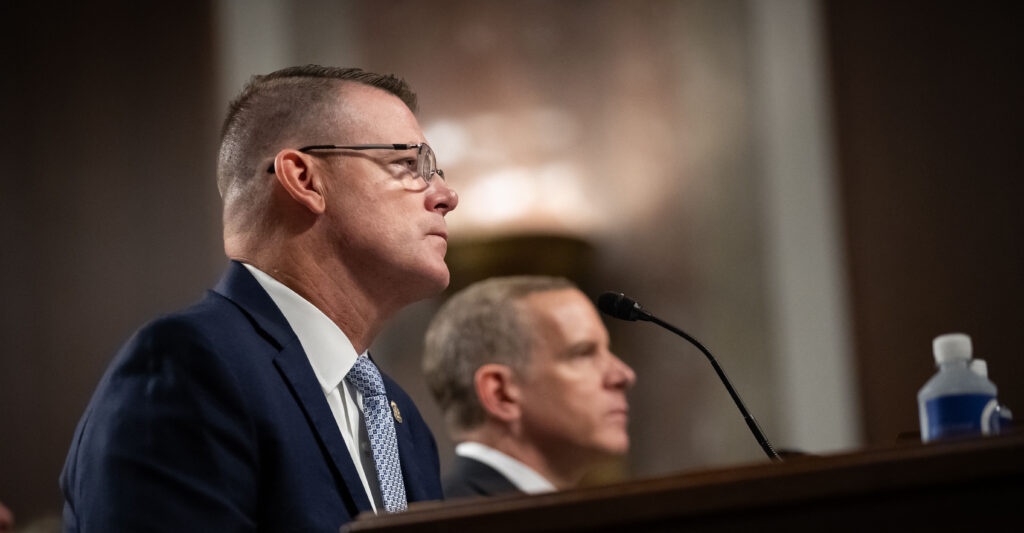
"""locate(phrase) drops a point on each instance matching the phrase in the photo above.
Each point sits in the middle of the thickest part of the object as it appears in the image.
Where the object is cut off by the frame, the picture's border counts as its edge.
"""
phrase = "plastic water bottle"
(956, 401)
(1005, 417)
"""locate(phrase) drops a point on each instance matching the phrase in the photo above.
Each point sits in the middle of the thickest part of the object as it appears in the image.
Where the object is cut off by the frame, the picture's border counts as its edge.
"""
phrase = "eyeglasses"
(426, 162)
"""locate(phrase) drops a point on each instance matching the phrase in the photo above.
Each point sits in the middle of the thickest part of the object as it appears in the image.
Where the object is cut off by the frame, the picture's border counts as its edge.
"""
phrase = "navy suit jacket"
(469, 477)
(211, 419)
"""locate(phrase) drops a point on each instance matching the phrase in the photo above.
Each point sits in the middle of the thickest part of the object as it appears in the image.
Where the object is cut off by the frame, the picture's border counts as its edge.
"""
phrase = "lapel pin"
(396, 412)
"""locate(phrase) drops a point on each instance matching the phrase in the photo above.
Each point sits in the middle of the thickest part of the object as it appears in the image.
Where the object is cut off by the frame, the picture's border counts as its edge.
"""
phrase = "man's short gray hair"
(484, 323)
(277, 108)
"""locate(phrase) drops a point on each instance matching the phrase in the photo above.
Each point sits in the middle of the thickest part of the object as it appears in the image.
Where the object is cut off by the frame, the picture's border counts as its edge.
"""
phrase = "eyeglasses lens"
(426, 163)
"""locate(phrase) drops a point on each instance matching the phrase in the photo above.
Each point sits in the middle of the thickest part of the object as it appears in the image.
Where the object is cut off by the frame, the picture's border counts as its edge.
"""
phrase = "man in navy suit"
(529, 387)
(242, 412)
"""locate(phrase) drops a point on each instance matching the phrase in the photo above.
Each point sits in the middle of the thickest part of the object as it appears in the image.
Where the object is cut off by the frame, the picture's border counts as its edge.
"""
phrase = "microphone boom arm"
(622, 307)
(751, 423)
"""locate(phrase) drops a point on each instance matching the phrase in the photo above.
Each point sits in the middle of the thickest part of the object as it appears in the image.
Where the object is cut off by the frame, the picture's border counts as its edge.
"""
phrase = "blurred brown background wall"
(110, 216)
(928, 109)
(109, 137)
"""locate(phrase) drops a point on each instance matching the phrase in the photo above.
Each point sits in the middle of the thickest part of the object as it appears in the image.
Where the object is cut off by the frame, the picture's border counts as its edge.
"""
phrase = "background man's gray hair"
(481, 324)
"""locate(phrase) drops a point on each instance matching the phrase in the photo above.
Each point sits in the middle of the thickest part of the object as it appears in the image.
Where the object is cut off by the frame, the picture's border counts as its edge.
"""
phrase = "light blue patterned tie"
(365, 377)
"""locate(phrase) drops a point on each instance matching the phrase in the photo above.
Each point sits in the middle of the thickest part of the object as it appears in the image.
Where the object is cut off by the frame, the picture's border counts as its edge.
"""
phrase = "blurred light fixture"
(449, 140)
(515, 173)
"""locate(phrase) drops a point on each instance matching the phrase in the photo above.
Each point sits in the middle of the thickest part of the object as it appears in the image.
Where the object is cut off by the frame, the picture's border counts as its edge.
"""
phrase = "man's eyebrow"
(582, 347)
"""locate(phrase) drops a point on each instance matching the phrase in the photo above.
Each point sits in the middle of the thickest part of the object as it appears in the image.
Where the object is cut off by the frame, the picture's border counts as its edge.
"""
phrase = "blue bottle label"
(958, 415)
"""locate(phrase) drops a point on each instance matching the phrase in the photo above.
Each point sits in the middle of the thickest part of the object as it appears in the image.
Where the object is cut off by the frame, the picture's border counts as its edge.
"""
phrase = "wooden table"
(967, 485)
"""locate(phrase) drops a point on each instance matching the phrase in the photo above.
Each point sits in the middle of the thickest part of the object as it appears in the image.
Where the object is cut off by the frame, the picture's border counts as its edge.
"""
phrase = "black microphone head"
(619, 306)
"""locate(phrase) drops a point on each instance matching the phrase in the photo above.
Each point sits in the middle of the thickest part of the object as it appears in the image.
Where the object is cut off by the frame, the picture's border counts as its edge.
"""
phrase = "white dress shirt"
(331, 355)
(523, 477)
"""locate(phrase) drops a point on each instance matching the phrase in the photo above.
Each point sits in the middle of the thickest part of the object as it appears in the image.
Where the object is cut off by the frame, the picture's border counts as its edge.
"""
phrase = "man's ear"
(296, 175)
(497, 391)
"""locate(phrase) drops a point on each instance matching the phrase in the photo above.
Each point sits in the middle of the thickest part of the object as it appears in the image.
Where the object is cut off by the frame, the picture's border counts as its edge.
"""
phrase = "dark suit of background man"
(530, 390)
(235, 414)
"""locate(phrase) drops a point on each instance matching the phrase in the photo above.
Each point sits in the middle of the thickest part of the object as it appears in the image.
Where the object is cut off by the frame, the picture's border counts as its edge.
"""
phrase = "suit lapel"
(295, 368)
(408, 455)
(240, 287)
(486, 479)
(407, 452)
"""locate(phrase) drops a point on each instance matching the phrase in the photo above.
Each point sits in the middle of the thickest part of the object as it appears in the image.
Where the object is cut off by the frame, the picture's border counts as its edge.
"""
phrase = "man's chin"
(433, 281)
(442, 278)
(616, 446)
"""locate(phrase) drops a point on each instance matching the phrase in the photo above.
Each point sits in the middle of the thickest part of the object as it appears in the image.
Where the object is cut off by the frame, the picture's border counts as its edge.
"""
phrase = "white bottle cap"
(952, 347)
(980, 367)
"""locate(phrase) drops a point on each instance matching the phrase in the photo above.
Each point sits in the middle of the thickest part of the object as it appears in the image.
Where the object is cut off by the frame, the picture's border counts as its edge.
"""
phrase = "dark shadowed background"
(814, 190)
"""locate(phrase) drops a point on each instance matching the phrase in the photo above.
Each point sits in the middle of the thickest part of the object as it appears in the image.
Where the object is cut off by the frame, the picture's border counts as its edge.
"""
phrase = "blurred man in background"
(531, 393)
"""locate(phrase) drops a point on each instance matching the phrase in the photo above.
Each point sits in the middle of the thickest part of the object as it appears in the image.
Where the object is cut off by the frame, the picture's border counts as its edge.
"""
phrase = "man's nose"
(620, 375)
(440, 197)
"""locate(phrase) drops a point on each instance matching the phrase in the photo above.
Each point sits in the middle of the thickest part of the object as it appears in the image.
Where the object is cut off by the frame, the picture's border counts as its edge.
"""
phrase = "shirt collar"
(328, 348)
(523, 477)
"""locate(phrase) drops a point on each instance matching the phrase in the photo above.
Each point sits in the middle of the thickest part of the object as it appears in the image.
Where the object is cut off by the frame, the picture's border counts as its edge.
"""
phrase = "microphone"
(620, 306)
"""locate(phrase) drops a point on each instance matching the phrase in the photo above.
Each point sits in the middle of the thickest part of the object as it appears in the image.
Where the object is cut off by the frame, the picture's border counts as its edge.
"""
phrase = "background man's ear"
(497, 391)
(295, 174)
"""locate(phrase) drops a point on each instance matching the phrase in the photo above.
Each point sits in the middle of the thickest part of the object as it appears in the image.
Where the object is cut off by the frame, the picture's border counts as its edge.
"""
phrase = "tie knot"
(365, 377)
